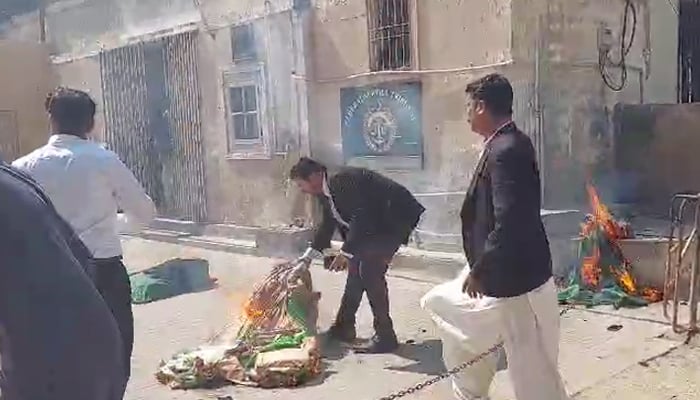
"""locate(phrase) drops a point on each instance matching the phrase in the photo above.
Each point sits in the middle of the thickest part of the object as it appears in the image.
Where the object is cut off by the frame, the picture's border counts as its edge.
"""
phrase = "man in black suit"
(506, 244)
(375, 216)
(58, 339)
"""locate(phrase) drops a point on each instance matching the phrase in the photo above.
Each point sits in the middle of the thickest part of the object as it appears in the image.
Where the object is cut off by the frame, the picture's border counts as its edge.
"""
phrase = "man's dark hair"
(306, 167)
(496, 93)
(72, 111)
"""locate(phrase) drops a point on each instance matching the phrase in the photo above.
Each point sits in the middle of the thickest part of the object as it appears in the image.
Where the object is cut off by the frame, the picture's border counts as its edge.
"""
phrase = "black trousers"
(367, 274)
(112, 281)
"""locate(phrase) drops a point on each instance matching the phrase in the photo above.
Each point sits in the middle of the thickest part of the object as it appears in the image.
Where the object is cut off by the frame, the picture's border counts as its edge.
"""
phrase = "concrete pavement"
(634, 362)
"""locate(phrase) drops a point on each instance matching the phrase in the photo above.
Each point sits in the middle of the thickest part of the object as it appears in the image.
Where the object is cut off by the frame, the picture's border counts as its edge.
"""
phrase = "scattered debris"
(276, 345)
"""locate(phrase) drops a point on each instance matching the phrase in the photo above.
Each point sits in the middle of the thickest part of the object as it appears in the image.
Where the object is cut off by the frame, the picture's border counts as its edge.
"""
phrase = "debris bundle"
(274, 347)
(603, 275)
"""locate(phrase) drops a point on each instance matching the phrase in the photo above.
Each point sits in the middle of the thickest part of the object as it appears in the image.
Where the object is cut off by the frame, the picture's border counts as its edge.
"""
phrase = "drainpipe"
(300, 27)
(300, 23)
(42, 21)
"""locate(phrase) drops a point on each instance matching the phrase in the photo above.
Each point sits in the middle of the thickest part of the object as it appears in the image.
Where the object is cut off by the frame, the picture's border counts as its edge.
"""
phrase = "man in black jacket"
(375, 216)
(506, 244)
(58, 339)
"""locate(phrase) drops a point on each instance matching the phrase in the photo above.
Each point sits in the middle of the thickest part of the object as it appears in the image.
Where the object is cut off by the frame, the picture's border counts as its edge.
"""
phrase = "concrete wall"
(239, 191)
(662, 86)
(657, 153)
(251, 191)
(76, 28)
(88, 26)
(577, 107)
(554, 54)
(26, 79)
(450, 149)
(547, 48)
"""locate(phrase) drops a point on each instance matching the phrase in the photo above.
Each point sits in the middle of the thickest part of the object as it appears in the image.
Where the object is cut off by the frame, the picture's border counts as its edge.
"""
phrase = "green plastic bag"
(608, 291)
(146, 288)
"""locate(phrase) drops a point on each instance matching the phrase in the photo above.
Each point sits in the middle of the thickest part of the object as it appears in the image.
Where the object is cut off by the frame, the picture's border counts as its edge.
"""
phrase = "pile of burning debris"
(275, 347)
(603, 275)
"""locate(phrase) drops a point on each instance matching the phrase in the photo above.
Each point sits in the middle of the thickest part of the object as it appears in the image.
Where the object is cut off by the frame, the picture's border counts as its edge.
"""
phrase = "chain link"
(461, 367)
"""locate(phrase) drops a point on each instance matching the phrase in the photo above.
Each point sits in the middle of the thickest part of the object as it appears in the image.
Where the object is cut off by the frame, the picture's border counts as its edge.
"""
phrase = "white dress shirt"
(334, 211)
(88, 184)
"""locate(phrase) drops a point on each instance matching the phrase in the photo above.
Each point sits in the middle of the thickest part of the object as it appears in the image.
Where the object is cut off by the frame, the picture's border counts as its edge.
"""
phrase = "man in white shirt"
(89, 185)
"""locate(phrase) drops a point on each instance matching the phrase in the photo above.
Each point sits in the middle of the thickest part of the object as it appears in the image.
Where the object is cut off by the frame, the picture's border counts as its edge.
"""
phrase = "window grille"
(389, 34)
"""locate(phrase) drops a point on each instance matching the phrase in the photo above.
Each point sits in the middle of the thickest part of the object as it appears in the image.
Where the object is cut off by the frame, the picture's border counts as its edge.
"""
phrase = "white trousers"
(528, 325)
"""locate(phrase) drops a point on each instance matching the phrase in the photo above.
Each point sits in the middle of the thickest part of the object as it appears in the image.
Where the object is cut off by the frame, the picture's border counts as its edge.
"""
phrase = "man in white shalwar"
(506, 293)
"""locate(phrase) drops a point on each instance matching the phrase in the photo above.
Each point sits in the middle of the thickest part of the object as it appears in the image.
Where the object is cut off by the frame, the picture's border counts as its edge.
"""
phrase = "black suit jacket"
(51, 315)
(373, 205)
(503, 234)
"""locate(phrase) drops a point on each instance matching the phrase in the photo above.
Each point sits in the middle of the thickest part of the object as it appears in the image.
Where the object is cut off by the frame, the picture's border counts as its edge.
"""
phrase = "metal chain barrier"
(420, 386)
(454, 371)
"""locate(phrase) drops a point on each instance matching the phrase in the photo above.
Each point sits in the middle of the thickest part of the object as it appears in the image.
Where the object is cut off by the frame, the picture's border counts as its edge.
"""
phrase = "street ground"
(640, 361)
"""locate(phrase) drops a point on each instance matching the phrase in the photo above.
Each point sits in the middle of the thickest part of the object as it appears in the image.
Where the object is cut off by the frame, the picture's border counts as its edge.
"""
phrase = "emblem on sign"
(380, 129)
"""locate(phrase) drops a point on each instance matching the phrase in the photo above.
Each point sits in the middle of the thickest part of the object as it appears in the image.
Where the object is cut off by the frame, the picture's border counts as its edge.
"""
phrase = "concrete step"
(443, 265)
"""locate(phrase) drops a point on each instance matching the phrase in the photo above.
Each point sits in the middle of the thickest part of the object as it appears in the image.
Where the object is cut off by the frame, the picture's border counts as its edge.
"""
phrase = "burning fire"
(601, 220)
(590, 270)
(250, 312)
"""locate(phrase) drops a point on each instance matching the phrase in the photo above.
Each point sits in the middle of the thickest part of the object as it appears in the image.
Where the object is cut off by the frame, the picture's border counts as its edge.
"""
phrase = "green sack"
(608, 291)
(171, 278)
(146, 288)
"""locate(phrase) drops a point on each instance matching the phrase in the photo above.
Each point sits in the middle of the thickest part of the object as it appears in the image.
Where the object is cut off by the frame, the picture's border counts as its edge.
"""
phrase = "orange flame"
(591, 270)
(250, 312)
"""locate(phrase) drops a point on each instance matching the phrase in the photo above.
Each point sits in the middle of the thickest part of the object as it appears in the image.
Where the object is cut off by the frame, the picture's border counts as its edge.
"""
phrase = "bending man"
(375, 216)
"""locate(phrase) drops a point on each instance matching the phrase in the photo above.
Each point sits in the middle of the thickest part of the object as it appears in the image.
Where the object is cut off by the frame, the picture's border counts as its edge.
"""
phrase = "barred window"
(389, 34)
(243, 43)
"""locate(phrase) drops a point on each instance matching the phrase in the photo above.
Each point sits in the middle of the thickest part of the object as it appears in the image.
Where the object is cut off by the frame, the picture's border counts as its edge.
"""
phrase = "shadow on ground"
(426, 357)
(170, 279)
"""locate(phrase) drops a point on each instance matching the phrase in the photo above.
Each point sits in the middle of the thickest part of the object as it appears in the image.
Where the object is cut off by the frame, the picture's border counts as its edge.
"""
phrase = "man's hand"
(472, 287)
(301, 266)
(340, 263)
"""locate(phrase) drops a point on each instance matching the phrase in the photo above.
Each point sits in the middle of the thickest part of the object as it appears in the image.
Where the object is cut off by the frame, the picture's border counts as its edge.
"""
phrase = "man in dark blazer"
(58, 339)
(506, 244)
(375, 216)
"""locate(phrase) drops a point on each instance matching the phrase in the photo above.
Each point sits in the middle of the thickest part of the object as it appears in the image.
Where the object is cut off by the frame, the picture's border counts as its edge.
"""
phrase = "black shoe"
(379, 345)
(342, 334)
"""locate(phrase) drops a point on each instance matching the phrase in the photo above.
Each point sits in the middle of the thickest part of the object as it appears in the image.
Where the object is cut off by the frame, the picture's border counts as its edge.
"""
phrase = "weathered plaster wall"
(94, 24)
(458, 33)
(662, 85)
(245, 192)
(217, 13)
(251, 192)
(657, 152)
(576, 104)
(451, 36)
(25, 78)
(558, 38)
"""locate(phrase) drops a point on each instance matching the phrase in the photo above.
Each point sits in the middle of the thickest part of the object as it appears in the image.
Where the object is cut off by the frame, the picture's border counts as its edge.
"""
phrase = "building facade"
(211, 101)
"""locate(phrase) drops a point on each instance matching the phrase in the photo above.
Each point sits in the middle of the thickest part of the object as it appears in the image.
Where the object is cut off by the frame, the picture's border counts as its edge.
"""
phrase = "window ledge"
(248, 156)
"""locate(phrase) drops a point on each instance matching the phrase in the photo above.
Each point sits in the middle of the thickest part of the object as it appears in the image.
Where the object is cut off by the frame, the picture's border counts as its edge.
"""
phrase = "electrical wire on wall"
(605, 60)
